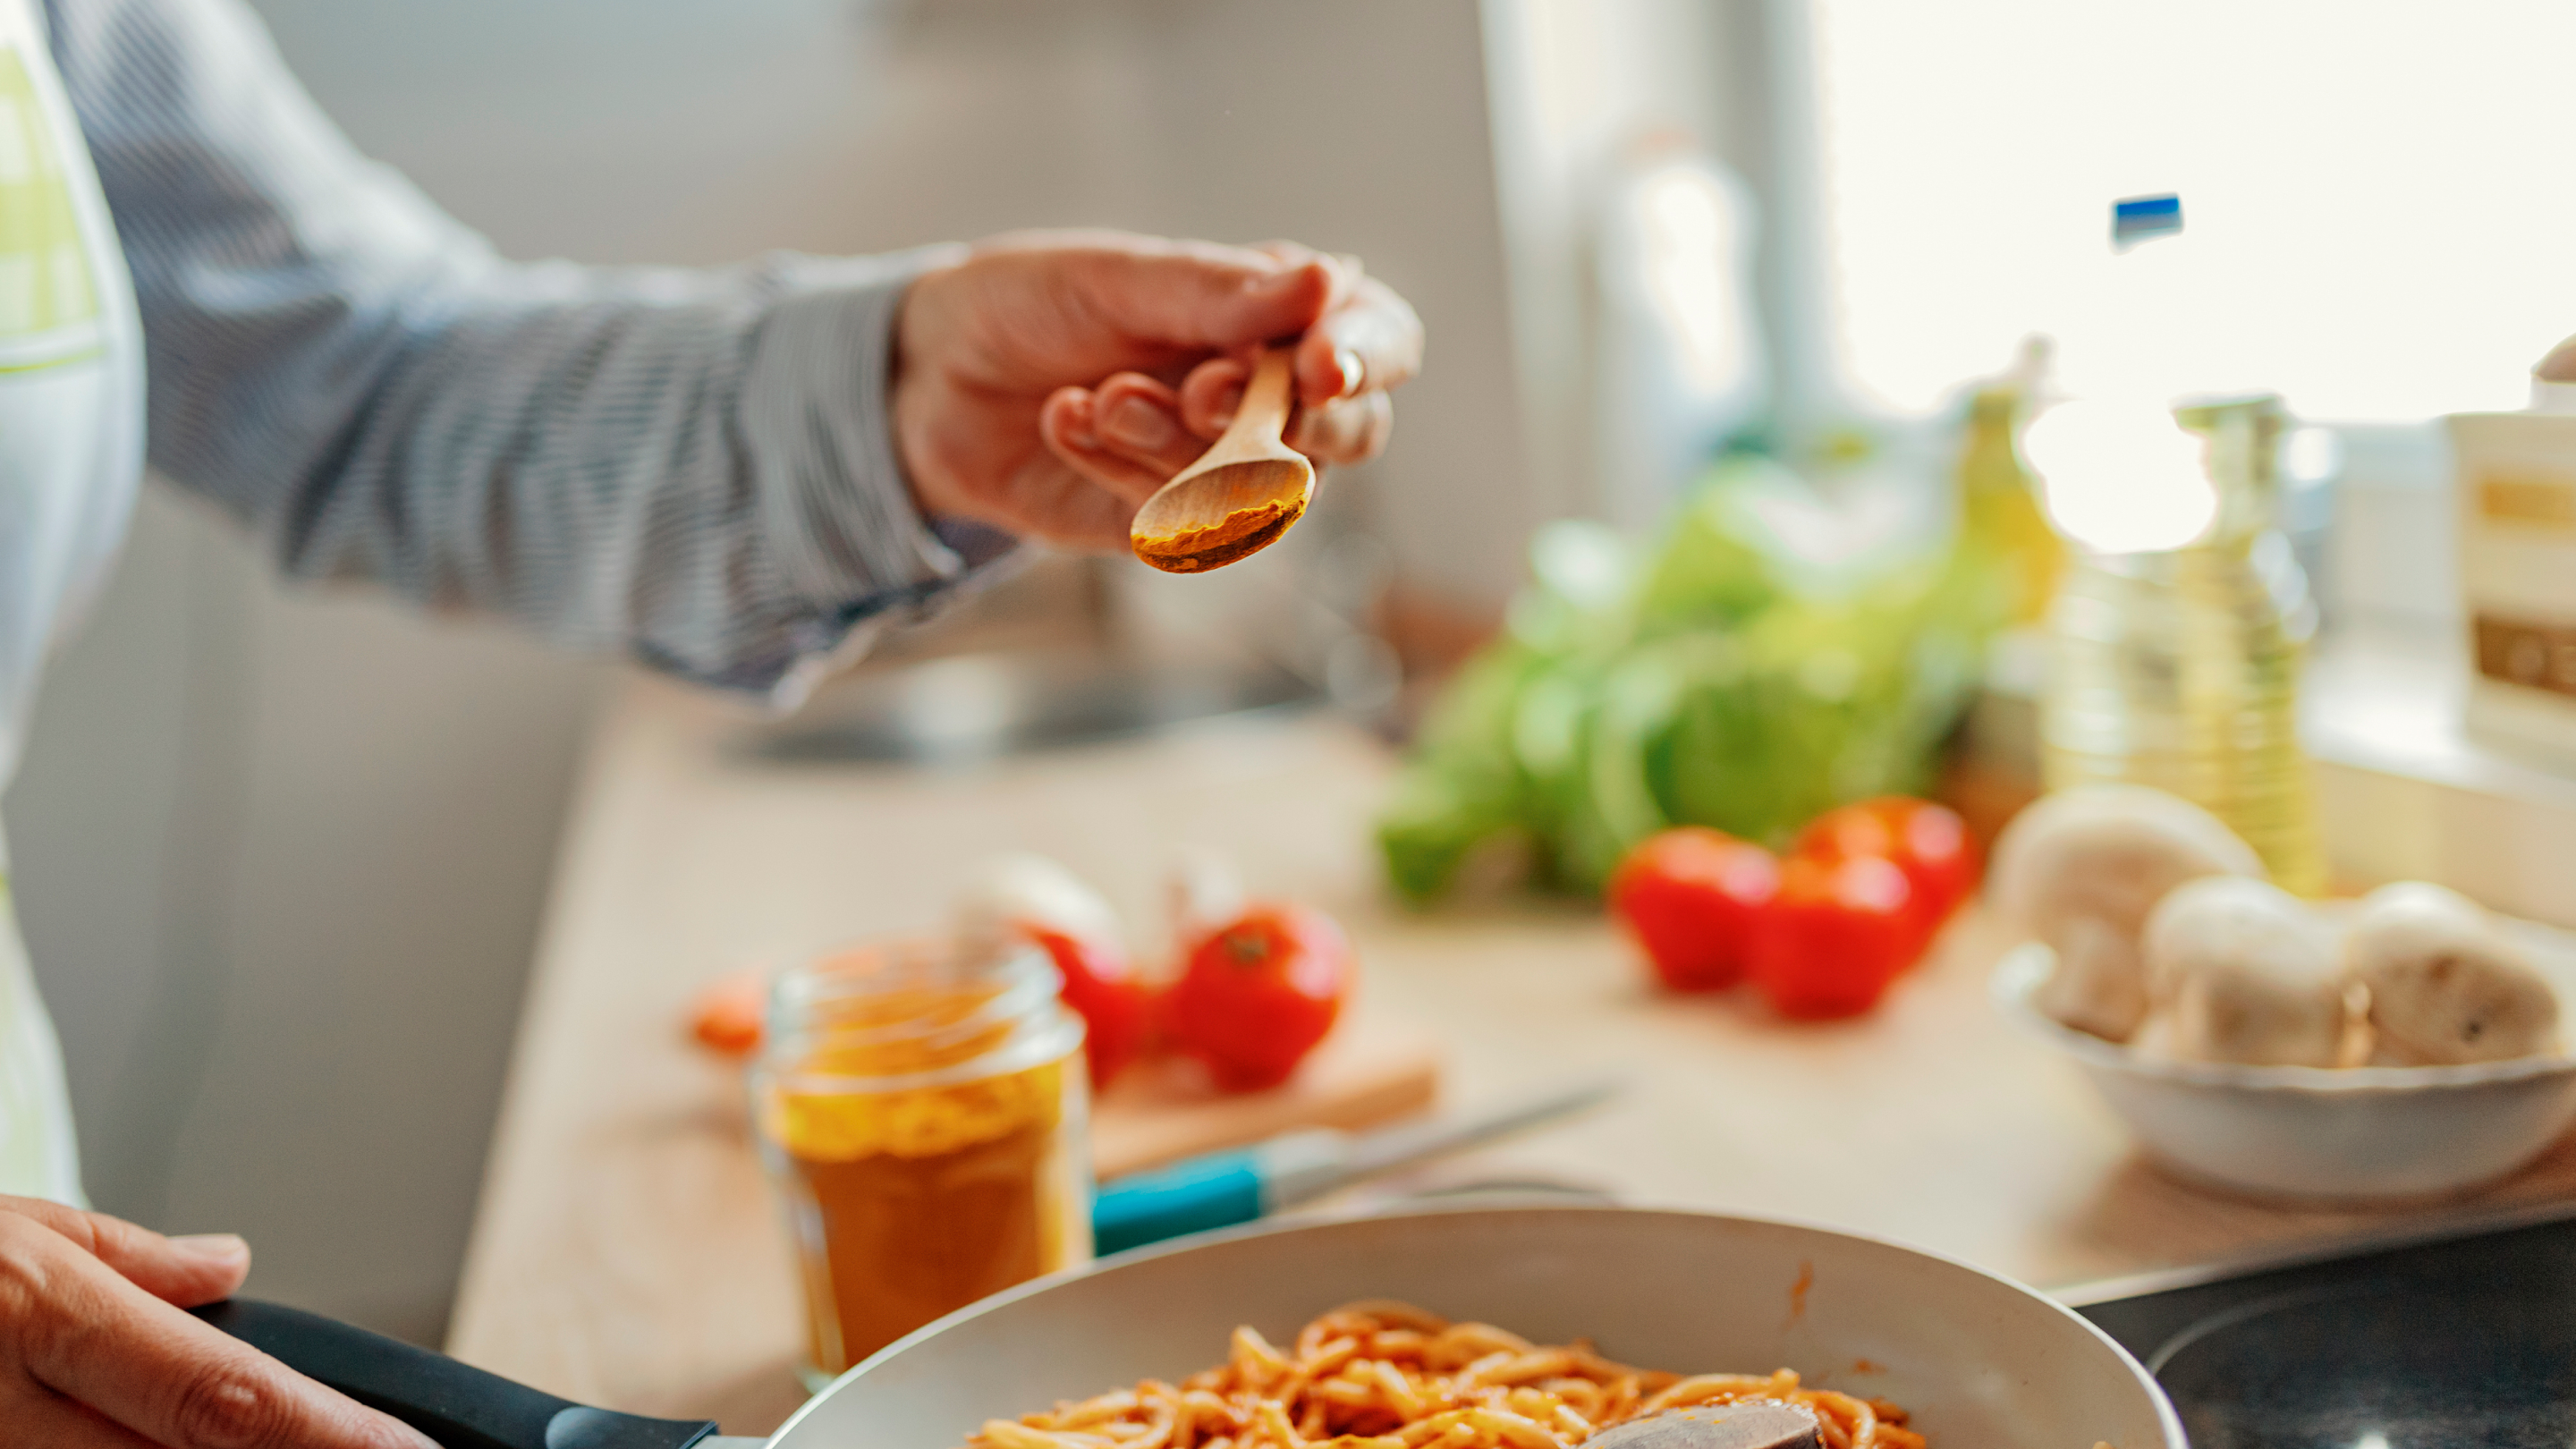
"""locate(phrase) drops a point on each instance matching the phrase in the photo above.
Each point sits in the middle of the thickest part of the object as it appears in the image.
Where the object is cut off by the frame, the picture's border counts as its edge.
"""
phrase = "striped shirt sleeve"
(693, 468)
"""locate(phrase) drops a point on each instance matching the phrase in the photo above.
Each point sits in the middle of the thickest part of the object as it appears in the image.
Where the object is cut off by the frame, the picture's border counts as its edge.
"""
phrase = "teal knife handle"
(1215, 1191)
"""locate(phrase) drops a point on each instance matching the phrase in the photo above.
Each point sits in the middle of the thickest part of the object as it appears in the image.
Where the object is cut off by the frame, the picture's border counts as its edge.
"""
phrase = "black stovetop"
(2459, 1343)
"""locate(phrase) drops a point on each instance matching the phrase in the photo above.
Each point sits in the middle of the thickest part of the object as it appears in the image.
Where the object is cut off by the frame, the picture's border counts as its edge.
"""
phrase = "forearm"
(690, 467)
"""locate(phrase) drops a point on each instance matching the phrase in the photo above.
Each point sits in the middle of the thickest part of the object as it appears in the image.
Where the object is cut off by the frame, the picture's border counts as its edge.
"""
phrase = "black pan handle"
(459, 1406)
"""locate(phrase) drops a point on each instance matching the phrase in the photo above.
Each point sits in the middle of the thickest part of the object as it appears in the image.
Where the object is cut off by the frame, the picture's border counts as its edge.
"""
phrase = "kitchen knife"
(1222, 1189)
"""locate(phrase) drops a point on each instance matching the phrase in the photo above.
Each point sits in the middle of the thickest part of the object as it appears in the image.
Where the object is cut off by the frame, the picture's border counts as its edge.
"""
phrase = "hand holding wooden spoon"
(1241, 495)
(1048, 384)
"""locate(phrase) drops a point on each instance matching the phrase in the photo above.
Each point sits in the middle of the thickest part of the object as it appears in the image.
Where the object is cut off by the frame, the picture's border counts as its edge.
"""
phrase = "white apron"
(71, 449)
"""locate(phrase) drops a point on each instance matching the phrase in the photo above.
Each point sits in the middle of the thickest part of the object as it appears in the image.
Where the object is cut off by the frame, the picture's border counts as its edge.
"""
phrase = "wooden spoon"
(1751, 1424)
(1241, 494)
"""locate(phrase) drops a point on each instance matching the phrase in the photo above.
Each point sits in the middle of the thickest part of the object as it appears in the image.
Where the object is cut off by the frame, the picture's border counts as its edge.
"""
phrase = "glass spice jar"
(924, 1117)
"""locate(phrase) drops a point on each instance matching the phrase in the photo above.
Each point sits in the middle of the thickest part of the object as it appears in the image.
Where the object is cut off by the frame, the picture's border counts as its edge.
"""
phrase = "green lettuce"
(1760, 662)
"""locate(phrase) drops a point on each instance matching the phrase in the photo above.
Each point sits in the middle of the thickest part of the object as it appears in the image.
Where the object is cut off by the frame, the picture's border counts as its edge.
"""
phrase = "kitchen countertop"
(627, 1252)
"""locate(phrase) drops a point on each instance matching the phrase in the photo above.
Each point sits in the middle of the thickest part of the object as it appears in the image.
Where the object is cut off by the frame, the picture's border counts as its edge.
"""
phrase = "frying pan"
(1978, 1359)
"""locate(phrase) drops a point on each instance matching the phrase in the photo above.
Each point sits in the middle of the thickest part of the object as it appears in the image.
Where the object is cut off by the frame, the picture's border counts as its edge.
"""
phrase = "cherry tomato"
(1833, 938)
(1102, 988)
(726, 1018)
(1690, 896)
(1259, 993)
(1928, 842)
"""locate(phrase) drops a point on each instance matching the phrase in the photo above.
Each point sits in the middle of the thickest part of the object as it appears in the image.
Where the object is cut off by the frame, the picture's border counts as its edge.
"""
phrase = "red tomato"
(1258, 994)
(1102, 988)
(1833, 938)
(1690, 896)
(1928, 842)
(726, 1017)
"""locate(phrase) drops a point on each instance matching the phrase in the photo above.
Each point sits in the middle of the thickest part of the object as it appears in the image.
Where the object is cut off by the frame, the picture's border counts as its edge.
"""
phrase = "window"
(2390, 185)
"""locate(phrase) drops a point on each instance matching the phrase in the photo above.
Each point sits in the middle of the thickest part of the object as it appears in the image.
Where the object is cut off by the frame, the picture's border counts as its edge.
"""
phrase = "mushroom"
(2081, 869)
(2446, 986)
(2242, 971)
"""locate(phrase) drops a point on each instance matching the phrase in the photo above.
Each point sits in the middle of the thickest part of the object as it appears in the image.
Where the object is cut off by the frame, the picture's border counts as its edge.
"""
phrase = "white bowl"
(2356, 1134)
(1977, 1359)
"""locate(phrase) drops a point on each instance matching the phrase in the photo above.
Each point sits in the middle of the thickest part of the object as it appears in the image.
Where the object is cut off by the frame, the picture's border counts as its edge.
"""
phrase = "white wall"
(281, 857)
(691, 130)
(1583, 90)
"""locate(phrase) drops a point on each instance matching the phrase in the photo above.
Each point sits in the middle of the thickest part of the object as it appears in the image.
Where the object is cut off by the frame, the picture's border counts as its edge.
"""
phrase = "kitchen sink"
(982, 706)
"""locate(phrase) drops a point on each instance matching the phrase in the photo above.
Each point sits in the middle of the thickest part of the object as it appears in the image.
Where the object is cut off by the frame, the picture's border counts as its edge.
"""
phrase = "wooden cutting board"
(1373, 1068)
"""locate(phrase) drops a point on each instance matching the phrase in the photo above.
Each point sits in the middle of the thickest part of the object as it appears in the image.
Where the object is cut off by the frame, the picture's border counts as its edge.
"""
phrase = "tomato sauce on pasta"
(1390, 1376)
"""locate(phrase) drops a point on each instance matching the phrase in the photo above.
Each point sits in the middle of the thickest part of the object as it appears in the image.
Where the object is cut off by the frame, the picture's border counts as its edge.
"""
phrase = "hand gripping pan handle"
(459, 1406)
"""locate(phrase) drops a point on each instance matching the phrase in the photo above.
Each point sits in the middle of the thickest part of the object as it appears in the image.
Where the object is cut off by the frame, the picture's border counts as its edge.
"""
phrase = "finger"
(1069, 425)
(42, 1419)
(186, 1271)
(1288, 252)
(1057, 504)
(1090, 519)
(88, 1334)
(1082, 305)
(1351, 431)
(1139, 419)
(1372, 341)
(1198, 295)
(2559, 365)
(1211, 394)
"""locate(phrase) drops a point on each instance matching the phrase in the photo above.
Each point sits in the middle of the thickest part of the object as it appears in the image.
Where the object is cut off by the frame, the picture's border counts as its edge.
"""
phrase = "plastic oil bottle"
(1999, 512)
(2178, 631)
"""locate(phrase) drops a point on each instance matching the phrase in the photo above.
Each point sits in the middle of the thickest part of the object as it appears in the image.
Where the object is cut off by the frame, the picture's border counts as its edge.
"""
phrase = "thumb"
(1198, 296)
(2559, 365)
(185, 1271)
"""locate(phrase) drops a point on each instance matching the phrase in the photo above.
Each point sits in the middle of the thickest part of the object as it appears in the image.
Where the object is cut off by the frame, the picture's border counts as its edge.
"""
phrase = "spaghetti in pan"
(1390, 1376)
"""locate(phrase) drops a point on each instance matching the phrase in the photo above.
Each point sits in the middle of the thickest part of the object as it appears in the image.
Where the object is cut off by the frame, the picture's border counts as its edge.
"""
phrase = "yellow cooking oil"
(2179, 668)
(1999, 505)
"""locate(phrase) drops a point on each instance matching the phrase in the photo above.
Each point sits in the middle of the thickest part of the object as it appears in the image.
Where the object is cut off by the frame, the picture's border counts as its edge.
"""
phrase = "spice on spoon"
(1242, 494)
(1191, 550)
